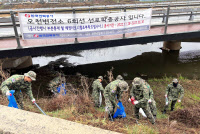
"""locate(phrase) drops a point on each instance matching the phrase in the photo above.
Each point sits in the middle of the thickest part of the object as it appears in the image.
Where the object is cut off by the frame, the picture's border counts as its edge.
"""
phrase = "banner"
(43, 26)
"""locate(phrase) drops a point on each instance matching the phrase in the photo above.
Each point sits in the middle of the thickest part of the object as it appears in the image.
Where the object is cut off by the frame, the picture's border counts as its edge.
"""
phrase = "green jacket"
(112, 90)
(97, 87)
(173, 92)
(141, 95)
(17, 83)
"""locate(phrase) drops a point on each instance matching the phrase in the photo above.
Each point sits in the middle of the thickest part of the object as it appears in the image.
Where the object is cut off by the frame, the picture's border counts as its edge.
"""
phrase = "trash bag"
(12, 101)
(120, 113)
(142, 112)
(61, 89)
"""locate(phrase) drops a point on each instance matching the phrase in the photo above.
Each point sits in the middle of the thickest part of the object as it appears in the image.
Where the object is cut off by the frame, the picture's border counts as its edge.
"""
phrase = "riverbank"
(78, 107)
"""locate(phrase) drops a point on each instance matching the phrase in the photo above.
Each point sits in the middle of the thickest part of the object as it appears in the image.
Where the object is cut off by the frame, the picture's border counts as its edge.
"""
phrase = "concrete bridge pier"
(171, 45)
(170, 57)
(17, 63)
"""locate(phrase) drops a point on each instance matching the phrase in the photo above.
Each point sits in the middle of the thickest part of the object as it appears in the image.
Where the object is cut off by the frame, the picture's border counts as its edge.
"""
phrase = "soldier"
(97, 89)
(151, 101)
(140, 93)
(56, 82)
(17, 83)
(172, 94)
(113, 89)
(119, 77)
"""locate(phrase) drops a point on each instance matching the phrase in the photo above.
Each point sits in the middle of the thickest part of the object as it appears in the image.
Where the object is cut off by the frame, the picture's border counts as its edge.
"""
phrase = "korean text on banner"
(47, 26)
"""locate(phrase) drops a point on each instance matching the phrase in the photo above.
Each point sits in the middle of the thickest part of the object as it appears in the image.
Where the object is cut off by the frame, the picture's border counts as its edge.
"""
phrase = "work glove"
(33, 100)
(165, 95)
(132, 99)
(149, 101)
(166, 103)
(129, 99)
(8, 93)
(136, 102)
(179, 100)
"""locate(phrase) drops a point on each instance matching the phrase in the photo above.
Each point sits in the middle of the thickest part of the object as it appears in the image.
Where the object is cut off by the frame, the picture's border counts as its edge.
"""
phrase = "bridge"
(171, 23)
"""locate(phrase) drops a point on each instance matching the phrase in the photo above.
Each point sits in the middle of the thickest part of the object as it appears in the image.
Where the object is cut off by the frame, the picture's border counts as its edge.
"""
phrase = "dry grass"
(4, 74)
(77, 106)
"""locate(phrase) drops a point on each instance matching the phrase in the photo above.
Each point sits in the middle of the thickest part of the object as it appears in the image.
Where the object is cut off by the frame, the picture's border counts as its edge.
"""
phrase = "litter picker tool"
(40, 108)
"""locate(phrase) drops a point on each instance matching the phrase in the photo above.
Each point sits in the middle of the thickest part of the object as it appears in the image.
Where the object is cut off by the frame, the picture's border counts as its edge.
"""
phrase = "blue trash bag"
(120, 113)
(61, 89)
(12, 101)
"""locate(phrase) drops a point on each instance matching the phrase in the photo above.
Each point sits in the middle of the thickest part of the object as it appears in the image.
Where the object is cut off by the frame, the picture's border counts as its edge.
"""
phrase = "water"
(135, 60)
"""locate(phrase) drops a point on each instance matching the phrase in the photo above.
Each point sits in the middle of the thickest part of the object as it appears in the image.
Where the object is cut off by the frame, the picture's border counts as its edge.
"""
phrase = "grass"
(101, 109)
(63, 114)
(78, 108)
(142, 129)
(161, 116)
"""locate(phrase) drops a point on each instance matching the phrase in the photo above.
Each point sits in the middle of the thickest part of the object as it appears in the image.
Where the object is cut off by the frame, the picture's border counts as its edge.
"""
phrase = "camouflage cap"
(175, 80)
(137, 81)
(123, 85)
(119, 77)
(31, 74)
(100, 77)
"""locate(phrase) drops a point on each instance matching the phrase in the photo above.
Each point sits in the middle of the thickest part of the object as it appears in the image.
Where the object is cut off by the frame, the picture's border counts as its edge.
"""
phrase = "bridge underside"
(35, 51)
(191, 40)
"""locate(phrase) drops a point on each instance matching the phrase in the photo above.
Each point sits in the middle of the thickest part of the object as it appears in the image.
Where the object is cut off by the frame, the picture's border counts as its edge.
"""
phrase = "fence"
(189, 12)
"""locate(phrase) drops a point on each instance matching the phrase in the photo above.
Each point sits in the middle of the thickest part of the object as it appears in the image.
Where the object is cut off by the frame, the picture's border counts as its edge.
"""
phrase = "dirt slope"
(23, 122)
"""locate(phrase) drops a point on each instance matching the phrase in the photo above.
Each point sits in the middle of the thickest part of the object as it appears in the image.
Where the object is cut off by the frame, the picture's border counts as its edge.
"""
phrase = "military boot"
(110, 117)
(154, 117)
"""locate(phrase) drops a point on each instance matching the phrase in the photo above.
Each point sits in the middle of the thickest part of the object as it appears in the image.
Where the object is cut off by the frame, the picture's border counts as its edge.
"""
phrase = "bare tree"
(110, 74)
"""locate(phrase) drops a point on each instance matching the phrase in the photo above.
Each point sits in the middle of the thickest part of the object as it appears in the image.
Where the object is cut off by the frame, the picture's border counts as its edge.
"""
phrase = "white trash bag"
(142, 112)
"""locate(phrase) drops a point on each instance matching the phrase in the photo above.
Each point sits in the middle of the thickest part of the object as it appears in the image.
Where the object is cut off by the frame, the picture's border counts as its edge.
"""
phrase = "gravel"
(24, 122)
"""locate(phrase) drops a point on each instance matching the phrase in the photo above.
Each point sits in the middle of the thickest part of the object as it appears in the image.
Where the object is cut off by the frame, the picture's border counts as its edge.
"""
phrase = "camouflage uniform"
(113, 89)
(172, 94)
(141, 94)
(97, 88)
(152, 105)
(17, 83)
(56, 82)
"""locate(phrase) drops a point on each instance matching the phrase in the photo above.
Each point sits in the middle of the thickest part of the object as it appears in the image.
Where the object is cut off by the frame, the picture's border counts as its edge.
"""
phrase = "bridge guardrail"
(166, 14)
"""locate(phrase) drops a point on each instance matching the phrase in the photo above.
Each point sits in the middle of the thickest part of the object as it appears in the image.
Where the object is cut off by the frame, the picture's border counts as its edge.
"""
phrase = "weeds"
(161, 116)
(77, 106)
(4, 74)
(142, 129)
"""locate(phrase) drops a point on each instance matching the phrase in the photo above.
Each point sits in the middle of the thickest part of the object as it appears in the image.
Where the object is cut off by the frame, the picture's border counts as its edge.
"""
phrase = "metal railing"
(164, 14)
